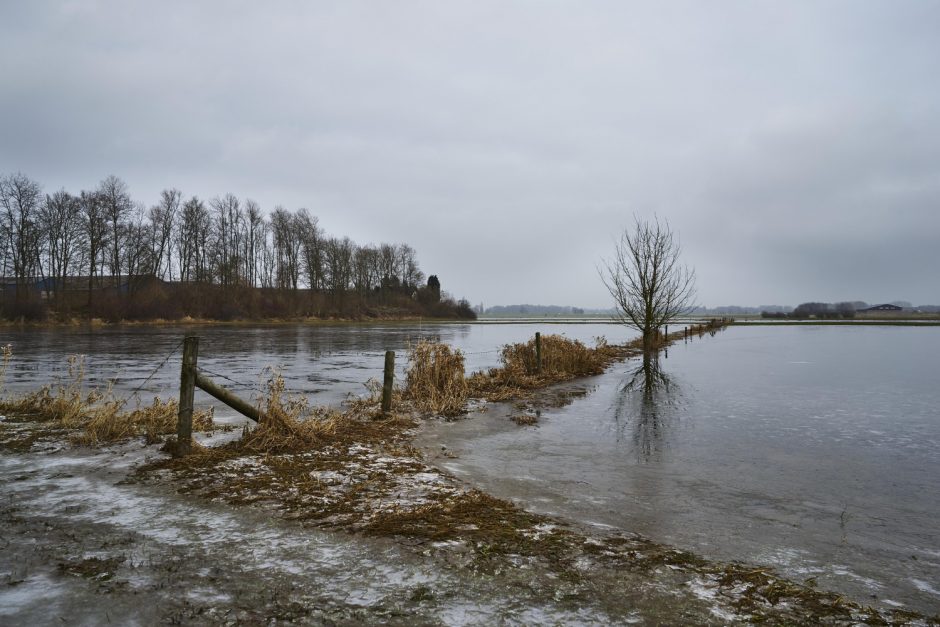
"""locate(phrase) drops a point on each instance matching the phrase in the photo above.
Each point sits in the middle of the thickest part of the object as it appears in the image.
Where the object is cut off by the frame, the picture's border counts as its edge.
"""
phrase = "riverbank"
(74, 323)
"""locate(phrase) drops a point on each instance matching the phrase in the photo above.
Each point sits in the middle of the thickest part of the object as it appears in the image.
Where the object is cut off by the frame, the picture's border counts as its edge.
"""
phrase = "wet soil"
(89, 540)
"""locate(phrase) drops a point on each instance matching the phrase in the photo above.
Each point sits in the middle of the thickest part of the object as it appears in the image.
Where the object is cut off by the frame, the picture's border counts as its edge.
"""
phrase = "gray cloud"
(794, 146)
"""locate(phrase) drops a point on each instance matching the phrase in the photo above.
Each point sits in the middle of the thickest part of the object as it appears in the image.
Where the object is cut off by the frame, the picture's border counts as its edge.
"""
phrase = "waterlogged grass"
(563, 359)
(84, 417)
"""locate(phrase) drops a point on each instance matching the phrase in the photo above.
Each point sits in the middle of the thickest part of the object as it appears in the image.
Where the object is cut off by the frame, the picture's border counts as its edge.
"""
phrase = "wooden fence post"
(538, 352)
(389, 381)
(184, 425)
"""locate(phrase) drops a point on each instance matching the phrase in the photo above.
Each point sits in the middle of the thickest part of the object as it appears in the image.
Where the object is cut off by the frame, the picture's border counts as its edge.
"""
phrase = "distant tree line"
(101, 253)
(820, 311)
(533, 310)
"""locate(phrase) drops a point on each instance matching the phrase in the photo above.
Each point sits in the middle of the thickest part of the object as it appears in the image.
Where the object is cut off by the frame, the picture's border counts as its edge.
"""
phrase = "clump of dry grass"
(560, 356)
(525, 420)
(289, 425)
(562, 359)
(6, 354)
(370, 405)
(435, 379)
(98, 416)
(65, 403)
(108, 423)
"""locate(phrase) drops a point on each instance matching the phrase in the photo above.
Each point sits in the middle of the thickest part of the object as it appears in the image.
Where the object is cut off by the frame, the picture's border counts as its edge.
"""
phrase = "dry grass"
(562, 359)
(107, 422)
(287, 423)
(525, 420)
(6, 354)
(435, 381)
(290, 426)
(96, 417)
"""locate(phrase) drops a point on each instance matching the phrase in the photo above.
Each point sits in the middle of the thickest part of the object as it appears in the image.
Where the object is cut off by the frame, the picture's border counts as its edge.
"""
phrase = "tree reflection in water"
(647, 402)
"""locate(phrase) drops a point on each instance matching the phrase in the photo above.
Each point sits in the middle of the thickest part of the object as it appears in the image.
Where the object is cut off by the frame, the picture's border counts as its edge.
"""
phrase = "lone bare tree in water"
(649, 284)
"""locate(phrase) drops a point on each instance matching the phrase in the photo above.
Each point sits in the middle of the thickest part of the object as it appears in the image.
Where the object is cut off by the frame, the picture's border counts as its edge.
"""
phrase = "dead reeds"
(287, 423)
(95, 416)
(108, 422)
(562, 359)
(435, 381)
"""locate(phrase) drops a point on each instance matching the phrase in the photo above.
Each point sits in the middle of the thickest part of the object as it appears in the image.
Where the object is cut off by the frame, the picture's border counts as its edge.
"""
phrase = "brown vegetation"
(562, 359)
(435, 381)
(90, 417)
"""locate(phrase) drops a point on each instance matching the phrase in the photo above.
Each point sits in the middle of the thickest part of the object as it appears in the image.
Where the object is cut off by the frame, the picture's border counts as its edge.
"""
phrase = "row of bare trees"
(101, 234)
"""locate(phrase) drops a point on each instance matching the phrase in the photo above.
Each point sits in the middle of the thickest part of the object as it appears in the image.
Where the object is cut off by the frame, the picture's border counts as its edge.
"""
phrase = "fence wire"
(154, 371)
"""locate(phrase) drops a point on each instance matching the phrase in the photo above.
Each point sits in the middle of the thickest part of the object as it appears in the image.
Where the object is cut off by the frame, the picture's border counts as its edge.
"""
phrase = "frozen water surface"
(812, 449)
(325, 362)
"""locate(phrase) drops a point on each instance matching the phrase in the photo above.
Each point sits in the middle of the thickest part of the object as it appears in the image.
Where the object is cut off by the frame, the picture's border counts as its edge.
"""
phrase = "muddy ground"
(362, 528)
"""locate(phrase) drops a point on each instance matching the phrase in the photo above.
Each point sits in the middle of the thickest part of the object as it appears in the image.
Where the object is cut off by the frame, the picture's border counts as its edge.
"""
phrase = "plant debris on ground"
(84, 417)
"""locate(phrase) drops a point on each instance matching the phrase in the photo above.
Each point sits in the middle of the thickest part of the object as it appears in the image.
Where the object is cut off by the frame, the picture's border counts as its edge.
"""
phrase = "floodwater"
(327, 363)
(815, 450)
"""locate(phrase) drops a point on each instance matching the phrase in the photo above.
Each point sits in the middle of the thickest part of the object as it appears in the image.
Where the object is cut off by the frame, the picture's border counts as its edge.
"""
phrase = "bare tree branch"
(646, 279)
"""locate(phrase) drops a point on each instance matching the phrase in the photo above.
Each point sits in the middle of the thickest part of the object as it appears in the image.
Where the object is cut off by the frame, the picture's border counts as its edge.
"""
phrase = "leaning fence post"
(184, 425)
(538, 352)
(389, 381)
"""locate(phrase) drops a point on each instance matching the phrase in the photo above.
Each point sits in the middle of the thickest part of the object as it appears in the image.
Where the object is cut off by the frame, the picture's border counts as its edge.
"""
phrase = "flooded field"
(327, 363)
(812, 449)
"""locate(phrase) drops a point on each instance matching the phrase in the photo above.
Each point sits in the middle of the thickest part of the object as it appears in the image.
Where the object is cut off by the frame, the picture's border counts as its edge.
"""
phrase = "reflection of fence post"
(184, 425)
(389, 381)
(538, 352)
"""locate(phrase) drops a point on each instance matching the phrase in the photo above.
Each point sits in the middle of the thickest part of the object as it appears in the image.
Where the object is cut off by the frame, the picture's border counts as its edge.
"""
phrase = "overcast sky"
(794, 146)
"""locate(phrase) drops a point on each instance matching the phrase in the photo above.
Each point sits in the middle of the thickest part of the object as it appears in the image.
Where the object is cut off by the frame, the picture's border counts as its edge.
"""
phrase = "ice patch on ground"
(923, 586)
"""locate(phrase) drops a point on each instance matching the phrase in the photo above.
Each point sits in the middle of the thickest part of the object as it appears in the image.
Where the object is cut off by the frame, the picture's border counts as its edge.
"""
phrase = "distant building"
(885, 307)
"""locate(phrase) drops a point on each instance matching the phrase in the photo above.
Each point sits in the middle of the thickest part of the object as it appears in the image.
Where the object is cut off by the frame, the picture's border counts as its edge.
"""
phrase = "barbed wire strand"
(153, 372)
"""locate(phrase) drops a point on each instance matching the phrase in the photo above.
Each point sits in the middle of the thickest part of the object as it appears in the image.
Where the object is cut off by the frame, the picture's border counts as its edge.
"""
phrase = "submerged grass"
(562, 359)
(87, 418)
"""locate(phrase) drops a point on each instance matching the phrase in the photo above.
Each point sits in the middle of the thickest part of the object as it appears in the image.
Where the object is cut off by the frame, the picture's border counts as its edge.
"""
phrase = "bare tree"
(228, 216)
(137, 246)
(20, 201)
(95, 235)
(254, 240)
(649, 285)
(411, 274)
(60, 218)
(162, 222)
(339, 266)
(192, 241)
(311, 239)
(116, 203)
